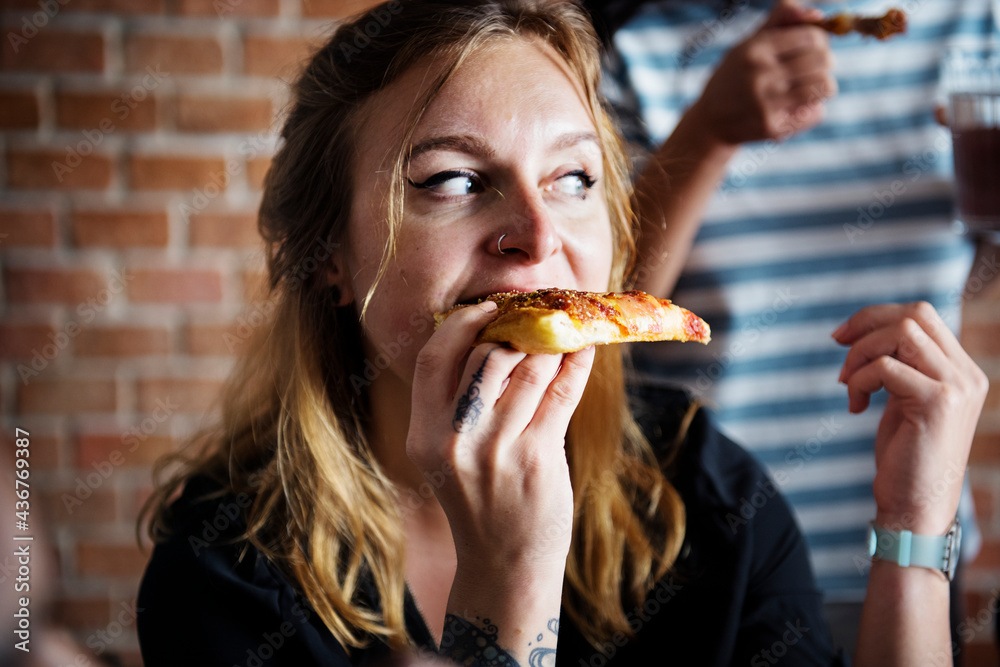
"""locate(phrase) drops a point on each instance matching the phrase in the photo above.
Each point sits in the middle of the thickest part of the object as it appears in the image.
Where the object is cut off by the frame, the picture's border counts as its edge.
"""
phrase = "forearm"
(671, 195)
(905, 618)
(513, 616)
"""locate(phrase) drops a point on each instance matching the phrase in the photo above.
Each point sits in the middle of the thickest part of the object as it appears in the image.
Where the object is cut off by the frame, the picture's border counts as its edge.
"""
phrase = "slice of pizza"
(881, 27)
(556, 321)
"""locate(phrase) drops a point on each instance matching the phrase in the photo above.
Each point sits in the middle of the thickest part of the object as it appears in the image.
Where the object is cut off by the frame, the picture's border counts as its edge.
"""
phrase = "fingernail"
(841, 330)
(488, 306)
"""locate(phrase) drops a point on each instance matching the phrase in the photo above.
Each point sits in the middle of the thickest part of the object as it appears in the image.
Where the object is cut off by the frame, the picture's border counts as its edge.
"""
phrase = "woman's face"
(507, 148)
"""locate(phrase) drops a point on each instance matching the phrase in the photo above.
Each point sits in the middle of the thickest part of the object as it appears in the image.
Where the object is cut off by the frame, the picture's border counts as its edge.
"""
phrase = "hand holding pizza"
(936, 393)
(498, 432)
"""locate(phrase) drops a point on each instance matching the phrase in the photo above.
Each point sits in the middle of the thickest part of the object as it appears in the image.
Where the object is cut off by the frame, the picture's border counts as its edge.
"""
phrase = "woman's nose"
(527, 230)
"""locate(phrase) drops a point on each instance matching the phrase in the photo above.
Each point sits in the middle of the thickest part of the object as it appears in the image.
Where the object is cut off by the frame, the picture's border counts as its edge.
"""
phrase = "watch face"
(952, 548)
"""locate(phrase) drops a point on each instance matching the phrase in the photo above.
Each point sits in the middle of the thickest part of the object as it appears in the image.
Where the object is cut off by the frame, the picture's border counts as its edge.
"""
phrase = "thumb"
(790, 12)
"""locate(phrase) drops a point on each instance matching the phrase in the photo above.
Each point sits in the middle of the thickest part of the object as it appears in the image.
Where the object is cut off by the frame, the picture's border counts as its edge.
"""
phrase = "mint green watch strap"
(937, 552)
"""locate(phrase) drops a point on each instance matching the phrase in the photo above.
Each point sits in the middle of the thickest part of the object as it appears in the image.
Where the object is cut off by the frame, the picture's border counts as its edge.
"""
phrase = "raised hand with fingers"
(936, 393)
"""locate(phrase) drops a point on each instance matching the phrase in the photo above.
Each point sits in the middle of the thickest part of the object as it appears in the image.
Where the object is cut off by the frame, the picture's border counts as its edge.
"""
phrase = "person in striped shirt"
(784, 180)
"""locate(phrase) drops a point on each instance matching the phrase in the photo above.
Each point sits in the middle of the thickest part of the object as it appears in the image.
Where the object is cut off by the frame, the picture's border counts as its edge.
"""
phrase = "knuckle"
(923, 311)
(429, 362)
(563, 393)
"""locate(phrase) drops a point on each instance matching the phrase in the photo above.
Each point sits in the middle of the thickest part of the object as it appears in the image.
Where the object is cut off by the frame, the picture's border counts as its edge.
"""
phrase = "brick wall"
(135, 138)
(136, 134)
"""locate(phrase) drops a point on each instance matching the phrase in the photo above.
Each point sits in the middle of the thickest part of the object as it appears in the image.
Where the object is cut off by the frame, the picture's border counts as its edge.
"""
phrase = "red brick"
(82, 501)
(18, 110)
(274, 56)
(102, 559)
(335, 8)
(136, 445)
(22, 341)
(67, 286)
(45, 449)
(229, 8)
(175, 286)
(122, 342)
(190, 394)
(213, 339)
(27, 228)
(166, 172)
(224, 230)
(83, 613)
(256, 170)
(223, 114)
(173, 53)
(120, 229)
(50, 394)
(121, 111)
(980, 653)
(52, 51)
(985, 448)
(62, 170)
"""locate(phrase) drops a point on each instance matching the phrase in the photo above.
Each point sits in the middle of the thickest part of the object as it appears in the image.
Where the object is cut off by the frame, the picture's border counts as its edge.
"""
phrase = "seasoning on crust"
(556, 321)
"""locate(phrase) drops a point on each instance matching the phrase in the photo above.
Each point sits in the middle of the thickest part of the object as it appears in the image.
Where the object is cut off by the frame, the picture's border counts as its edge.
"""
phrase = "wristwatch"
(938, 552)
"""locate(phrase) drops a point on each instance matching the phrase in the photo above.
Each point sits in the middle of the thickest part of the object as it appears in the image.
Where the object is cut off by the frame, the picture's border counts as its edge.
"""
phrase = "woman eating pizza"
(377, 484)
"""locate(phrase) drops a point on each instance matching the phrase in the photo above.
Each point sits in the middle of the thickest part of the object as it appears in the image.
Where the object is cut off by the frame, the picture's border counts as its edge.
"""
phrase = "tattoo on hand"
(470, 406)
(475, 645)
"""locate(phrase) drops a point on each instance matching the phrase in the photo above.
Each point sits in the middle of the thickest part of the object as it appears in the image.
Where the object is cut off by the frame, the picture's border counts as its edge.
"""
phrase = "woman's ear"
(337, 279)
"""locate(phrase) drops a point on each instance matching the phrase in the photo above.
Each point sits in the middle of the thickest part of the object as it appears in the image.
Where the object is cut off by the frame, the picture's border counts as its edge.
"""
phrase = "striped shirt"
(801, 234)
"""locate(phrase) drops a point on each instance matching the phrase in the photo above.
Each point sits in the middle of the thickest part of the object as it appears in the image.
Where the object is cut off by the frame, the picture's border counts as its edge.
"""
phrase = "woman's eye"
(451, 183)
(575, 183)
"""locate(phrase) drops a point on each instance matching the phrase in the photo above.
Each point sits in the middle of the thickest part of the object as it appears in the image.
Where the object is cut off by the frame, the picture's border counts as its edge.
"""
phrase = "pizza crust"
(555, 321)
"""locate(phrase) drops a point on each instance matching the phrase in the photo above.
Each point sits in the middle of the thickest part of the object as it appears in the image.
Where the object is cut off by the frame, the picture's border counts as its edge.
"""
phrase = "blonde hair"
(293, 425)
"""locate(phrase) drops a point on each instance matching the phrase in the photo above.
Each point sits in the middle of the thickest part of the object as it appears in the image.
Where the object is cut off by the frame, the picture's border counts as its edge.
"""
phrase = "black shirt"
(742, 592)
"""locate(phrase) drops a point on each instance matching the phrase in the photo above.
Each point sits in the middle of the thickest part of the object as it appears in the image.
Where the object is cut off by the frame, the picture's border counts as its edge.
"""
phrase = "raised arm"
(936, 393)
(770, 86)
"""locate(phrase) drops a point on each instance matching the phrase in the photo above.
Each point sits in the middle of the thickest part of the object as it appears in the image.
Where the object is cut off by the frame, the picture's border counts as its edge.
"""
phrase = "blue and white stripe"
(801, 235)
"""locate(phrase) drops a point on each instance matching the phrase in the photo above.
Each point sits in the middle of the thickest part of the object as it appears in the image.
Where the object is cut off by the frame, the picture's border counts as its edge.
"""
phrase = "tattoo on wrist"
(474, 644)
(470, 406)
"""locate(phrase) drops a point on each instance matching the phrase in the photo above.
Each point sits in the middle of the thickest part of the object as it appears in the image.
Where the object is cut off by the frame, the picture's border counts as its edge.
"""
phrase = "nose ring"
(499, 241)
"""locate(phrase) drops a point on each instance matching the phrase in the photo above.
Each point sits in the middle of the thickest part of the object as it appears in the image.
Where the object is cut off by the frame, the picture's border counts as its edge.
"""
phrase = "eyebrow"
(476, 147)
